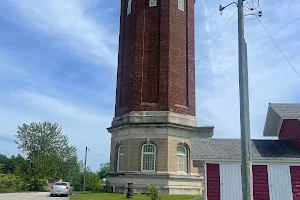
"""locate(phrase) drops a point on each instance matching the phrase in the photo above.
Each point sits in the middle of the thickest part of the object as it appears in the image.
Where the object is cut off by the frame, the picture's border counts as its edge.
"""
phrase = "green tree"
(43, 138)
(48, 150)
(8, 165)
(14, 161)
(3, 164)
(23, 169)
(1, 168)
(3, 159)
(93, 182)
(103, 171)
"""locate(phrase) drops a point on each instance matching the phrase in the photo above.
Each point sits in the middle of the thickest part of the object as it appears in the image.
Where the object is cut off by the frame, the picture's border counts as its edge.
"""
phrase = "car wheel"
(51, 195)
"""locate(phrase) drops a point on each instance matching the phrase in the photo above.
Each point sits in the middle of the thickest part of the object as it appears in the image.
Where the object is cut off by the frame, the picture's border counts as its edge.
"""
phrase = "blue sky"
(58, 63)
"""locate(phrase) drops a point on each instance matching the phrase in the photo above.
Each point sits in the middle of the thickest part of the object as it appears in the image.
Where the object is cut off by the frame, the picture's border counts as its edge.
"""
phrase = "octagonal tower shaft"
(156, 63)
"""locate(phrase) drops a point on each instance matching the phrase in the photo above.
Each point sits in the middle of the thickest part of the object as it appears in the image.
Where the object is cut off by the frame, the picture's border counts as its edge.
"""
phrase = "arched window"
(120, 158)
(181, 159)
(148, 158)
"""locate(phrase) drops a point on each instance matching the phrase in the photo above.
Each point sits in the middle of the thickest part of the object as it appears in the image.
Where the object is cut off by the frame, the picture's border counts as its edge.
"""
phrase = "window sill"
(148, 172)
(182, 173)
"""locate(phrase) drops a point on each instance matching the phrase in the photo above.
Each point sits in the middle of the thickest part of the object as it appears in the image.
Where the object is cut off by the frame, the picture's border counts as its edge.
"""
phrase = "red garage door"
(260, 182)
(295, 178)
(213, 181)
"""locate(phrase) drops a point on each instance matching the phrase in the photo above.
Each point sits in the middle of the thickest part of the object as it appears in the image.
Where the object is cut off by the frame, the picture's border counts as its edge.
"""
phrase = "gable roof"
(287, 111)
(277, 112)
(230, 149)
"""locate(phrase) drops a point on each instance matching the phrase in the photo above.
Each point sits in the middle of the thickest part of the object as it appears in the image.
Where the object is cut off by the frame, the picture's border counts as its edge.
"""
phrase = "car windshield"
(64, 184)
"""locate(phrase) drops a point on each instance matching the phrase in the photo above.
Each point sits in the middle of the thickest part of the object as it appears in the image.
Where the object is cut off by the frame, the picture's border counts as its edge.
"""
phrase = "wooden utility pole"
(244, 106)
(86, 149)
(244, 103)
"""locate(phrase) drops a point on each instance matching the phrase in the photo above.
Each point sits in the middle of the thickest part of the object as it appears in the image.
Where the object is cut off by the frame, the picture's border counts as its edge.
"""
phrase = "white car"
(61, 188)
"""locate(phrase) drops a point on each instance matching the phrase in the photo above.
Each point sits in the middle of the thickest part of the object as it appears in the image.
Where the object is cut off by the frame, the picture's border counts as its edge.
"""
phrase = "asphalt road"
(30, 196)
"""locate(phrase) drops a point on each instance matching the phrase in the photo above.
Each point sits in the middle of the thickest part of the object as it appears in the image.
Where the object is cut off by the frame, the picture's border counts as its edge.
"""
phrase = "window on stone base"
(148, 157)
(120, 158)
(181, 159)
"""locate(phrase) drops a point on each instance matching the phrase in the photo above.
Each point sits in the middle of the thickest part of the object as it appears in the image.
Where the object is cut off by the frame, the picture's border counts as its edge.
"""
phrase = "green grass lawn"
(110, 196)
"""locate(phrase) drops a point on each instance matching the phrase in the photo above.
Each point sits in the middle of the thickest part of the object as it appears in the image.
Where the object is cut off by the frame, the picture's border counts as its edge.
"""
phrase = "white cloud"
(59, 107)
(271, 79)
(70, 22)
(84, 126)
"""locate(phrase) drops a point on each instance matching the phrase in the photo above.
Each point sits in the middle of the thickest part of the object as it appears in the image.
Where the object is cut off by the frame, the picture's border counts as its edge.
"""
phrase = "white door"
(280, 185)
(231, 181)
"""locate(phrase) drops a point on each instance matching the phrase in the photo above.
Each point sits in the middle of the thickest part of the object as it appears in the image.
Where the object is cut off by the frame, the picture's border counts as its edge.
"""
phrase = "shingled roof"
(277, 112)
(287, 111)
(230, 149)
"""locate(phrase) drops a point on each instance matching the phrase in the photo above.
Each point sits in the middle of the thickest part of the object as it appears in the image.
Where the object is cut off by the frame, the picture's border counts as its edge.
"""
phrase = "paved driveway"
(30, 196)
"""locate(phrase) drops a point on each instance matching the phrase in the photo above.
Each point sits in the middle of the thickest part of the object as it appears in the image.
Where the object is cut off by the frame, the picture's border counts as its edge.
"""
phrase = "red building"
(275, 163)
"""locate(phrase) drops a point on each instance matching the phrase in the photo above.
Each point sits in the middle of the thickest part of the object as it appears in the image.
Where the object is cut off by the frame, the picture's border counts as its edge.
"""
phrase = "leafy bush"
(11, 183)
(36, 184)
(153, 192)
(93, 182)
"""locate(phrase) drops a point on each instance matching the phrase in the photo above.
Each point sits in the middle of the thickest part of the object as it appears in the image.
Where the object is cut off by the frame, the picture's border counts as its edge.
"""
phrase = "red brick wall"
(213, 181)
(151, 63)
(295, 177)
(191, 57)
(260, 182)
(120, 55)
(290, 130)
(156, 67)
(127, 40)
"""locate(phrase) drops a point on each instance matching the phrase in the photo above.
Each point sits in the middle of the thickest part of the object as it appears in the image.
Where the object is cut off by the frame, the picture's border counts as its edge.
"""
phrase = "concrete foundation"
(168, 183)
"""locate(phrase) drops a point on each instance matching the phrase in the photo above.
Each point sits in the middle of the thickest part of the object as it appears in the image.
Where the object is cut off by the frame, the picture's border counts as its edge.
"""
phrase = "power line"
(95, 154)
(216, 38)
(278, 46)
(247, 5)
(255, 5)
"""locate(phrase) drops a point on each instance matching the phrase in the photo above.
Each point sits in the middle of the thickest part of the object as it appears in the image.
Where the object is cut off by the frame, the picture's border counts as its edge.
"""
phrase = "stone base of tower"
(166, 131)
(168, 183)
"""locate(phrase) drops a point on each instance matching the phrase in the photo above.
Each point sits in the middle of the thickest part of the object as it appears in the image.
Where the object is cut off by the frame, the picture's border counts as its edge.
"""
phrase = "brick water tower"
(155, 99)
